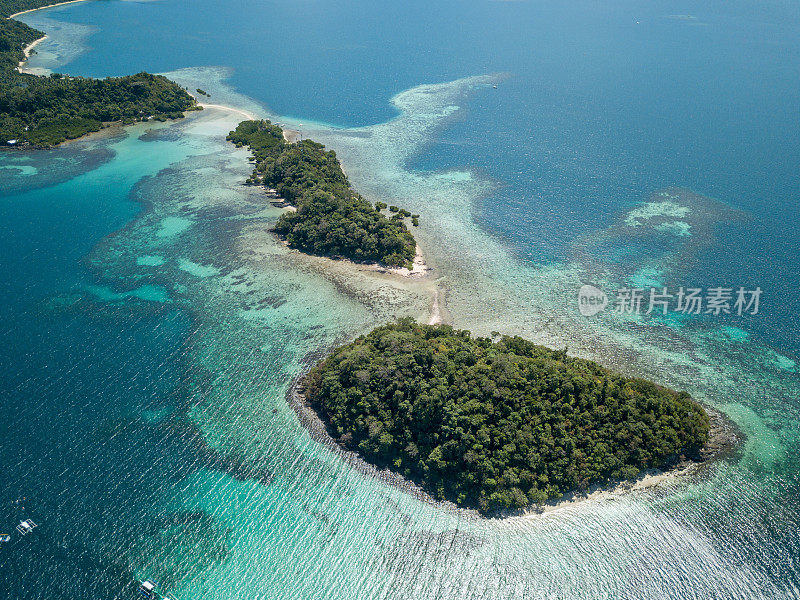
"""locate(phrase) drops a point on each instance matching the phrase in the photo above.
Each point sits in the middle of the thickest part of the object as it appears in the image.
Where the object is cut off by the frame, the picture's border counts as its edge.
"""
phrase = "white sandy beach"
(30, 10)
(245, 114)
(29, 48)
(290, 135)
(27, 52)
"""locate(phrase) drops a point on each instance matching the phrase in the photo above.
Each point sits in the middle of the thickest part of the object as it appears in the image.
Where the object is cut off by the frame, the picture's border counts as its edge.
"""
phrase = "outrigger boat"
(148, 589)
(26, 527)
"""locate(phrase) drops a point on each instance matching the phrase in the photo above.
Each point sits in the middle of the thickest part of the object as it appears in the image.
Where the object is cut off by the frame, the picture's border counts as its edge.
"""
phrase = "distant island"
(46, 111)
(331, 219)
(496, 425)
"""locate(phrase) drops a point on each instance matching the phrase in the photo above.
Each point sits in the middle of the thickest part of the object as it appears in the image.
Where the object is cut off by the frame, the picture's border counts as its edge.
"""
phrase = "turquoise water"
(154, 325)
(604, 103)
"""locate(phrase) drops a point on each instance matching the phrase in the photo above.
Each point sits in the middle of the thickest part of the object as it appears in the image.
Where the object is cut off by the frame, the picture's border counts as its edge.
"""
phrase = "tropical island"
(491, 424)
(46, 111)
(496, 424)
(330, 219)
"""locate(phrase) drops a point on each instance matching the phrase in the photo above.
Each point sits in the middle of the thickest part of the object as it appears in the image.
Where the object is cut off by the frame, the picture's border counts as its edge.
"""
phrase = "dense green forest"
(496, 425)
(46, 111)
(331, 218)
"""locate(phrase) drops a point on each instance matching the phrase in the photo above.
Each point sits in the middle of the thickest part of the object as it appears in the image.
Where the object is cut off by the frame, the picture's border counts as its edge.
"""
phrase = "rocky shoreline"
(724, 441)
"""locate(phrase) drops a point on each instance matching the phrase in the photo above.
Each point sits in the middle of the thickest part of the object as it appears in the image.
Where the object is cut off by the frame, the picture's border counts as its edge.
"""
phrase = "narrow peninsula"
(496, 425)
(46, 111)
(330, 219)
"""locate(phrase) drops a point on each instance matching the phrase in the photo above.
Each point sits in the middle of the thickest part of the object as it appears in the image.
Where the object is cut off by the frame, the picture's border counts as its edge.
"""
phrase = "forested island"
(331, 218)
(45, 111)
(496, 424)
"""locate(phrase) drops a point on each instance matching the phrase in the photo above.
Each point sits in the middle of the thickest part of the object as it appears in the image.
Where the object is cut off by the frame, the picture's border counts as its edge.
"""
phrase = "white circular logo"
(591, 300)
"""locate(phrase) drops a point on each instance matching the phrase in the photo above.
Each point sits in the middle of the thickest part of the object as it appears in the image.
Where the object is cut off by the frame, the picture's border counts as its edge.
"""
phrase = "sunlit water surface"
(153, 325)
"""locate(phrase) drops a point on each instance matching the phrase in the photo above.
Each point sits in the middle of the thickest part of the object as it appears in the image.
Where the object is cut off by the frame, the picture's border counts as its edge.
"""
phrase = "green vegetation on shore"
(496, 425)
(331, 218)
(45, 111)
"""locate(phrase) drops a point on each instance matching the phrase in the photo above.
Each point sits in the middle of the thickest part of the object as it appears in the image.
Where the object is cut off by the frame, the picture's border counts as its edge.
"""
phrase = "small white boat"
(26, 527)
(148, 589)
(4, 537)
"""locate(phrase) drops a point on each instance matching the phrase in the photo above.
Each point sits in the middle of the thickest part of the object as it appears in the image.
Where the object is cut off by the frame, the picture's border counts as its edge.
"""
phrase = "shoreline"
(292, 135)
(345, 272)
(311, 421)
(26, 51)
(107, 128)
(420, 268)
(30, 10)
(224, 107)
(655, 484)
(20, 68)
(725, 440)
(724, 437)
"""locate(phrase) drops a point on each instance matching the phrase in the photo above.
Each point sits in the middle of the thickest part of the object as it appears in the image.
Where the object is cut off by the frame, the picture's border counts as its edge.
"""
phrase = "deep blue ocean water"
(604, 104)
(601, 106)
(72, 398)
